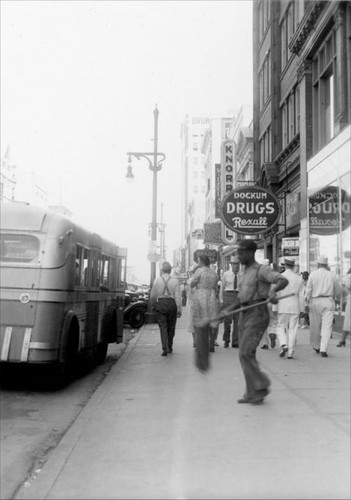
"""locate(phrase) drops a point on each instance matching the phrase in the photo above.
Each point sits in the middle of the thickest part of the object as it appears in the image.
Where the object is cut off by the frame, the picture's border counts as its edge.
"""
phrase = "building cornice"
(306, 26)
(288, 150)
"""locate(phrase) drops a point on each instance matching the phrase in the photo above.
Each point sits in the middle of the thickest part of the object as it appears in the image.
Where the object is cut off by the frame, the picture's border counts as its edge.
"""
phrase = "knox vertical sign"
(228, 163)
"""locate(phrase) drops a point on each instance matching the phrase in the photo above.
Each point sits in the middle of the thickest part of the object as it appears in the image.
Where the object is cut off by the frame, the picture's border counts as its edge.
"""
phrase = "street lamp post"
(155, 160)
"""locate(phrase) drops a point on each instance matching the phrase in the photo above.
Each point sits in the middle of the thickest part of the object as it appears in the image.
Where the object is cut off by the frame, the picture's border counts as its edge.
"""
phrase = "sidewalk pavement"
(158, 428)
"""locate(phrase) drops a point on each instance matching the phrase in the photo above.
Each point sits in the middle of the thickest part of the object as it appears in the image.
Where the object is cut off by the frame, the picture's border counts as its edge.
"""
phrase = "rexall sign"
(250, 210)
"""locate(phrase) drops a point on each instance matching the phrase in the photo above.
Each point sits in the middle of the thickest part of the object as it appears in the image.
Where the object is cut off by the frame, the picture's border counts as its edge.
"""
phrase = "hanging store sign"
(227, 182)
(291, 247)
(198, 234)
(212, 233)
(218, 190)
(292, 209)
(325, 211)
(227, 164)
(250, 210)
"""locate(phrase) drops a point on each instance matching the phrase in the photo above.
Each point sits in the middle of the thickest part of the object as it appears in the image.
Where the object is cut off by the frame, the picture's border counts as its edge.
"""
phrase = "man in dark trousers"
(165, 298)
(228, 298)
(254, 287)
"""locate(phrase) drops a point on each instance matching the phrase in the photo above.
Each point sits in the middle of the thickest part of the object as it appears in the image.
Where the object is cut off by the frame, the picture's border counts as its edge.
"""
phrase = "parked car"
(146, 290)
(134, 307)
(132, 291)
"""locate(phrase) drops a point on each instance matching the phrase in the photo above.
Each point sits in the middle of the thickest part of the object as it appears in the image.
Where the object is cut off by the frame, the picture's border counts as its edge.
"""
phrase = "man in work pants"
(165, 298)
(254, 287)
(228, 298)
(322, 290)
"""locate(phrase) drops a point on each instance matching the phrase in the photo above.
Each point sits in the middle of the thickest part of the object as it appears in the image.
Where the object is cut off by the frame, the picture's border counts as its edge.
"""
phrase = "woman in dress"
(190, 299)
(205, 307)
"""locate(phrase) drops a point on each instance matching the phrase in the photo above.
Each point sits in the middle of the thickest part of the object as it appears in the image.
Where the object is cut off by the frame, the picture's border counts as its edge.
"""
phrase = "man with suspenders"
(165, 298)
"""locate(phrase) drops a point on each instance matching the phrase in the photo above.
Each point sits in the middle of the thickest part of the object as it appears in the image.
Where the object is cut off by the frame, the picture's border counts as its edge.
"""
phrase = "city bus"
(61, 291)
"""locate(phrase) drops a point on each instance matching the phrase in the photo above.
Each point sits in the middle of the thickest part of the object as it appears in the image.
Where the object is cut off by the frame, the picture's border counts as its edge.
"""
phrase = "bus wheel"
(101, 352)
(137, 317)
(67, 370)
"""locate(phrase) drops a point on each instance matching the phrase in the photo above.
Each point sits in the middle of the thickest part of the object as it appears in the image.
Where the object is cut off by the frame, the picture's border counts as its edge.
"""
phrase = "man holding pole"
(254, 287)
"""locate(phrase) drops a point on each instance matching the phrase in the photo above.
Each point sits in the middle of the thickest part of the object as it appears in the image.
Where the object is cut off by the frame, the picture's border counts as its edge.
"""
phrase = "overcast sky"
(79, 84)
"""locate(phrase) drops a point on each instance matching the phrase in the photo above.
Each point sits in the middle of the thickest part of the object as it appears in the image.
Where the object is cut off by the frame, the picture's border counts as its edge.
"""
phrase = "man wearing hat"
(228, 297)
(281, 265)
(254, 287)
(289, 310)
(322, 290)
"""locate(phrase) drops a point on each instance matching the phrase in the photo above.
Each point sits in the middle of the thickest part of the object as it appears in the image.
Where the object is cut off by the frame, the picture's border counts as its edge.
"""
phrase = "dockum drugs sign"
(329, 209)
(250, 210)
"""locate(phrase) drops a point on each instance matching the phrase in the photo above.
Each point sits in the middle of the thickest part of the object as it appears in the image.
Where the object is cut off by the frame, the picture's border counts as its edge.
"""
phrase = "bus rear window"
(18, 248)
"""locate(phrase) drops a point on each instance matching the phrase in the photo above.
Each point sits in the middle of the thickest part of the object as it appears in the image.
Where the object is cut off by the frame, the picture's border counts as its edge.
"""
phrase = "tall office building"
(193, 131)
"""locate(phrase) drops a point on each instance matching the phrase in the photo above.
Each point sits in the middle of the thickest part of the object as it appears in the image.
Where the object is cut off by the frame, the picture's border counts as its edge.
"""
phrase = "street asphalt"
(157, 428)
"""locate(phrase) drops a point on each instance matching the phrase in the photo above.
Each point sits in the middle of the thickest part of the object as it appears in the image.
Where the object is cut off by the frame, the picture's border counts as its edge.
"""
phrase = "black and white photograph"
(175, 183)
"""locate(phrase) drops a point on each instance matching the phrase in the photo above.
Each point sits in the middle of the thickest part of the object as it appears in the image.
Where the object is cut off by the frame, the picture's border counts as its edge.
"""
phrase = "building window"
(329, 224)
(265, 80)
(288, 26)
(324, 99)
(290, 117)
(285, 125)
(264, 16)
(297, 109)
(266, 146)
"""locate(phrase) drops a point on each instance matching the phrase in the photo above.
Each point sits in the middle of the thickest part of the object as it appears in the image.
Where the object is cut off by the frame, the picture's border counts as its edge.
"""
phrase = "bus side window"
(113, 274)
(96, 266)
(86, 267)
(78, 269)
(106, 270)
(77, 273)
(120, 272)
(100, 265)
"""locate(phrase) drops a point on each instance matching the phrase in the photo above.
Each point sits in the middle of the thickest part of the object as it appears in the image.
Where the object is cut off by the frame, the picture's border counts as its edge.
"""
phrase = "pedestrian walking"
(304, 311)
(228, 297)
(346, 328)
(289, 310)
(190, 305)
(254, 287)
(270, 336)
(184, 295)
(165, 298)
(205, 308)
(322, 290)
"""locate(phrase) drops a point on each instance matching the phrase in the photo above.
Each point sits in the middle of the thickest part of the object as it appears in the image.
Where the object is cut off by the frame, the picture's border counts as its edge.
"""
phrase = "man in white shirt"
(228, 297)
(322, 290)
(289, 310)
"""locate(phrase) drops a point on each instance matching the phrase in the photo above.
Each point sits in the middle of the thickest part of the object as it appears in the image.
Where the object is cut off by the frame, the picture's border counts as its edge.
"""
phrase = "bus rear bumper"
(17, 346)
